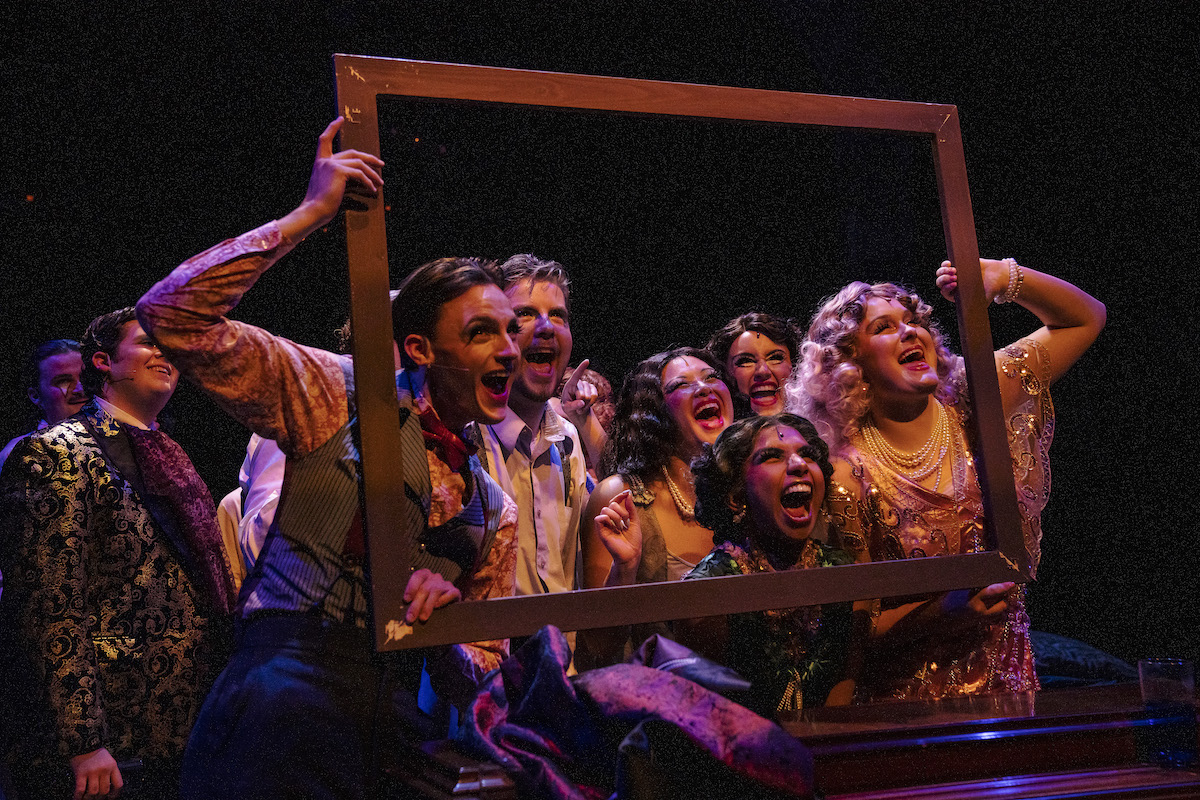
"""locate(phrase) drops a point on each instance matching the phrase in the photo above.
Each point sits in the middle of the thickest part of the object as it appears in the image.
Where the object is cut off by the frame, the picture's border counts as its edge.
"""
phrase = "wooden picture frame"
(361, 81)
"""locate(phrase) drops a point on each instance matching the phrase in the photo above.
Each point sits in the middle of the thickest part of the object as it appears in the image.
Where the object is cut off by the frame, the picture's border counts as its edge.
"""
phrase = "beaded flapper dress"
(902, 519)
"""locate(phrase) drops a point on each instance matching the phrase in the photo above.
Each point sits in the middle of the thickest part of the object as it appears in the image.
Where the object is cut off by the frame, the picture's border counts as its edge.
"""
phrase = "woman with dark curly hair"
(762, 489)
(890, 398)
(757, 351)
(640, 524)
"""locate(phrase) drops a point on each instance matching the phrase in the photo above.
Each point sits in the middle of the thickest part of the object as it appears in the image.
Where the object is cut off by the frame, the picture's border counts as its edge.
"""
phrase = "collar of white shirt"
(508, 431)
(122, 416)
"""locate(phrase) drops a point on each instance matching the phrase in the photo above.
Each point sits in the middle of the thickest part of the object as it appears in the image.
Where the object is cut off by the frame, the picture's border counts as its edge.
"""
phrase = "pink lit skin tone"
(697, 400)
(784, 485)
(759, 367)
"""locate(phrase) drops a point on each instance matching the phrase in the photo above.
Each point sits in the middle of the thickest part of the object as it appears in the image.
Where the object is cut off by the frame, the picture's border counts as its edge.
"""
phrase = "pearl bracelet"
(1016, 277)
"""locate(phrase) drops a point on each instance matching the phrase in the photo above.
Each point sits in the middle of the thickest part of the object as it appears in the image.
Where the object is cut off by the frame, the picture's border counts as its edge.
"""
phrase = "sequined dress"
(902, 519)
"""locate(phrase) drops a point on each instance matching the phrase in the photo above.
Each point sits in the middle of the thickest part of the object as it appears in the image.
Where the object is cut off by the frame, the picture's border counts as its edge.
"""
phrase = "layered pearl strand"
(924, 462)
(686, 510)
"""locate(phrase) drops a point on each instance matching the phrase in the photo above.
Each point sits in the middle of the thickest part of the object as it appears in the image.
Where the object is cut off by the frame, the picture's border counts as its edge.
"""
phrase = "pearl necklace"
(686, 510)
(924, 462)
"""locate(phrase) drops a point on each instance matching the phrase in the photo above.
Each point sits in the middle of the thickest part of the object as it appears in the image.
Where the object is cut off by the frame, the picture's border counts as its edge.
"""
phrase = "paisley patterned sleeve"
(49, 495)
(1024, 371)
(293, 394)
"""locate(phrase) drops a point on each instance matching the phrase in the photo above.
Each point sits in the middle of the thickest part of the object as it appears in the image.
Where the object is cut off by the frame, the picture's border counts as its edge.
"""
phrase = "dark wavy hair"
(779, 330)
(419, 298)
(643, 434)
(720, 472)
(102, 336)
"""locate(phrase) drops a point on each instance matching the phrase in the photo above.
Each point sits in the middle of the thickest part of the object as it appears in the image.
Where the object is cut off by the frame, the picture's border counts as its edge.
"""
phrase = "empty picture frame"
(362, 80)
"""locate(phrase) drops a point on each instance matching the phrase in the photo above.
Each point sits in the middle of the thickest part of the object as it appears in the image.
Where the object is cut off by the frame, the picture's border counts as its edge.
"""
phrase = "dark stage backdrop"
(137, 138)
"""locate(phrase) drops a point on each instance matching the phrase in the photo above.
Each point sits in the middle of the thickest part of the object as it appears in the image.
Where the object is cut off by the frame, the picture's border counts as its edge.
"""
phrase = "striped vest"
(305, 564)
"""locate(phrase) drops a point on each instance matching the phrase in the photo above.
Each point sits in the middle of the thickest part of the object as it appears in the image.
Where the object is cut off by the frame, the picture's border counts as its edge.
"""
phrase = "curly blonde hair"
(828, 387)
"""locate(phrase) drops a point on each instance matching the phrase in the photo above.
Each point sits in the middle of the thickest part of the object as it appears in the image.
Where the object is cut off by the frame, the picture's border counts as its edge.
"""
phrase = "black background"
(136, 138)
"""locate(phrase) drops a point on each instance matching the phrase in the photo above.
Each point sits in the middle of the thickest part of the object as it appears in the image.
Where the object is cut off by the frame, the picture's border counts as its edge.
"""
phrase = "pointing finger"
(569, 389)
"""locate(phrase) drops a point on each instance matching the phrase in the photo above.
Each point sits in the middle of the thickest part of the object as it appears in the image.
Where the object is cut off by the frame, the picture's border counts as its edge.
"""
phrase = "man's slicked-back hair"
(31, 371)
(528, 267)
(419, 298)
(102, 336)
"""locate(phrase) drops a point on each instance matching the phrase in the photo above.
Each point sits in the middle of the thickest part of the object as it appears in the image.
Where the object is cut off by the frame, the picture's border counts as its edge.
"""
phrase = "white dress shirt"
(261, 478)
(547, 476)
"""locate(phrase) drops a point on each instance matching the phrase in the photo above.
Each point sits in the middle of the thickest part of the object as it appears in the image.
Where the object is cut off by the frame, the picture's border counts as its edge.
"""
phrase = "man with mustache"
(302, 710)
(118, 583)
(52, 382)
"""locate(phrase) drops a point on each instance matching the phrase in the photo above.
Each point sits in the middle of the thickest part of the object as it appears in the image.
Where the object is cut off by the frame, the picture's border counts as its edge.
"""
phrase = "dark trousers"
(301, 711)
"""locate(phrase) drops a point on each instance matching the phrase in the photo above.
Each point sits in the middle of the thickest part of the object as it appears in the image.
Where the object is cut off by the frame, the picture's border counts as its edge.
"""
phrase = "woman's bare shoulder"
(605, 491)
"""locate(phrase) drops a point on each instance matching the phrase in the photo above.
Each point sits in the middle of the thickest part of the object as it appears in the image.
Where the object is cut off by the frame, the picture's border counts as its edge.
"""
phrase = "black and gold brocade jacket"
(108, 629)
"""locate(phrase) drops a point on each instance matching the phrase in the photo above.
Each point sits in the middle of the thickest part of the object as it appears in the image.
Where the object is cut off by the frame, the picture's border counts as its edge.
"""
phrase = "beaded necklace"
(921, 464)
(686, 510)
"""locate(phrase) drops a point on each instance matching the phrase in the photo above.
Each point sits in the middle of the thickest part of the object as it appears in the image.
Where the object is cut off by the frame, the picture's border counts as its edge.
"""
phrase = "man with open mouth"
(303, 708)
(534, 453)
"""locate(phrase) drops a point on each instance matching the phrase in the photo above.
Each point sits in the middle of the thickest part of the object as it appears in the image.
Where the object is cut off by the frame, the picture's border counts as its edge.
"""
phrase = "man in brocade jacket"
(116, 583)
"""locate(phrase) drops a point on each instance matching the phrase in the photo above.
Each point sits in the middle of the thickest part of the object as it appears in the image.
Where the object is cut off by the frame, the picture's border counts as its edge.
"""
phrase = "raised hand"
(621, 533)
(578, 396)
(995, 279)
(333, 175)
(947, 281)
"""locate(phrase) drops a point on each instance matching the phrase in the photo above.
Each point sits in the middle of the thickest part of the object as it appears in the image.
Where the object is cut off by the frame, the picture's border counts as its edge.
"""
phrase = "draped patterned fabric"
(561, 737)
(167, 473)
